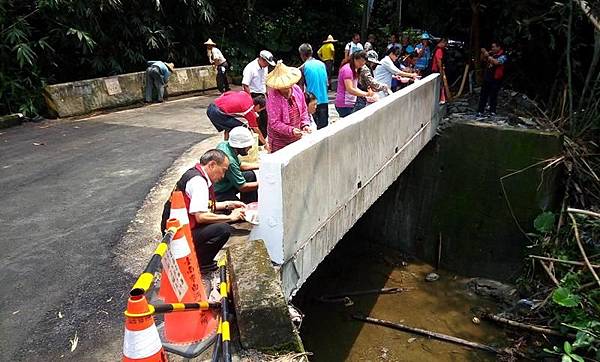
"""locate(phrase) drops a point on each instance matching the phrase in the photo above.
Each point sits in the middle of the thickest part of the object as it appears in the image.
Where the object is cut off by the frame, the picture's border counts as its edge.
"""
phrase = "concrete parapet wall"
(314, 190)
(86, 96)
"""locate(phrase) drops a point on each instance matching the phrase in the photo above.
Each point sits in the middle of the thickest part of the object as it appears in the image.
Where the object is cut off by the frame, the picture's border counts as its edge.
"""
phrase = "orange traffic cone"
(141, 341)
(184, 333)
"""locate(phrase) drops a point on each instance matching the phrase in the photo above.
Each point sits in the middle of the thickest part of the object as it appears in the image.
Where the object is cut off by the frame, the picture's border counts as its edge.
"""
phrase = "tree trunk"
(475, 40)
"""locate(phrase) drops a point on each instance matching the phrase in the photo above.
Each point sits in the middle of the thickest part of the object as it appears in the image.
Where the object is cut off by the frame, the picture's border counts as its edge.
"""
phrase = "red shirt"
(238, 104)
(438, 55)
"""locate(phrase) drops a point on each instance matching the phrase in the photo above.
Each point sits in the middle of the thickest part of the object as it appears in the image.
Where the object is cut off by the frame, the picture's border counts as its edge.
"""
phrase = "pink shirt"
(283, 118)
(342, 97)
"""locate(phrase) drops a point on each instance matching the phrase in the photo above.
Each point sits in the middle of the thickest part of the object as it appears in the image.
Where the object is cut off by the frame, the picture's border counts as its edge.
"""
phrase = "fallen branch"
(550, 274)
(583, 212)
(588, 12)
(529, 327)
(342, 295)
(587, 262)
(570, 262)
(424, 332)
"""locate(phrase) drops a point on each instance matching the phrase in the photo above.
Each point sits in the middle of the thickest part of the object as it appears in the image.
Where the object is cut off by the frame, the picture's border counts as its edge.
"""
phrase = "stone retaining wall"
(86, 96)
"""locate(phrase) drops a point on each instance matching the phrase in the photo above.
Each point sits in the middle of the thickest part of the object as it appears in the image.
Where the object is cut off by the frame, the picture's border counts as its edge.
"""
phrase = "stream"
(443, 306)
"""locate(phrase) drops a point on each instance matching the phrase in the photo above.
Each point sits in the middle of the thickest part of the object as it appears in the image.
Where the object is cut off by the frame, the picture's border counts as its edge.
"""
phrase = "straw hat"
(171, 66)
(210, 42)
(330, 39)
(283, 76)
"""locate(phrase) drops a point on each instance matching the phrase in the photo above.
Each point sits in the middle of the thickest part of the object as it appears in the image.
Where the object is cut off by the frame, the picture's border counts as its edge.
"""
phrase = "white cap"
(268, 57)
(240, 137)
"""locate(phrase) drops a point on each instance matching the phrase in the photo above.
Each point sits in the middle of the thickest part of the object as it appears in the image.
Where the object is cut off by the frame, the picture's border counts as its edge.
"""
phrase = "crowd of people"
(279, 107)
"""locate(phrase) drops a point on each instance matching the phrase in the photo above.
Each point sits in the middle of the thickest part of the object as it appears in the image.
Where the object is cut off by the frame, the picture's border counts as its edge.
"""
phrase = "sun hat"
(267, 56)
(209, 42)
(240, 137)
(330, 39)
(283, 76)
(373, 57)
(171, 66)
(425, 36)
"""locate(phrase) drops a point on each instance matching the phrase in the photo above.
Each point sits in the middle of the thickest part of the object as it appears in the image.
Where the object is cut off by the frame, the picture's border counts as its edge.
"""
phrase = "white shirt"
(215, 56)
(353, 47)
(255, 77)
(197, 190)
(384, 72)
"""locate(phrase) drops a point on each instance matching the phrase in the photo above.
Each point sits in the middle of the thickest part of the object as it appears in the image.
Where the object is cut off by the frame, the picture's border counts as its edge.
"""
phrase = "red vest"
(498, 69)
(188, 175)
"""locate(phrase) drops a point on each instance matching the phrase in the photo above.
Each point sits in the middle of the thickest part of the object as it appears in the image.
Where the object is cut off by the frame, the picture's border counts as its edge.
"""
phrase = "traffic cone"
(179, 212)
(184, 333)
(141, 341)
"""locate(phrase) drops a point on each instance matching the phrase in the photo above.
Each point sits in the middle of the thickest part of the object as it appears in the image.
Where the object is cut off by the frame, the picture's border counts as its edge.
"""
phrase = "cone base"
(189, 350)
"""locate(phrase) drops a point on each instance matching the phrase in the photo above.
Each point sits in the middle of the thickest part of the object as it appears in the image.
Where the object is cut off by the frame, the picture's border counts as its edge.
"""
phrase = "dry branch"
(424, 332)
(587, 261)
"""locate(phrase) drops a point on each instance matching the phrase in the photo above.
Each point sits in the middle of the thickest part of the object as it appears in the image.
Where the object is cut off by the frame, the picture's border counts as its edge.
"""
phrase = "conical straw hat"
(209, 42)
(330, 39)
(283, 76)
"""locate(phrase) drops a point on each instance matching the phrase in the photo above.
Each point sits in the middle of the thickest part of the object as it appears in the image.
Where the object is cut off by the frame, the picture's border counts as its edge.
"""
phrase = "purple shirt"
(342, 97)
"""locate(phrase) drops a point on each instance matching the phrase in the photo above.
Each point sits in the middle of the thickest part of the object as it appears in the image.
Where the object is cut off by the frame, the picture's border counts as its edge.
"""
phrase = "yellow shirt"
(326, 52)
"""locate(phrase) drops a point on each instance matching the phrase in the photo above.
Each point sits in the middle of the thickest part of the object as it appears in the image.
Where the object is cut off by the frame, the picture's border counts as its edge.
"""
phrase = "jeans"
(154, 80)
(344, 111)
(221, 121)
(209, 239)
(245, 197)
(329, 69)
(222, 82)
(489, 90)
(321, 116)
(262, 117)
(361, 102)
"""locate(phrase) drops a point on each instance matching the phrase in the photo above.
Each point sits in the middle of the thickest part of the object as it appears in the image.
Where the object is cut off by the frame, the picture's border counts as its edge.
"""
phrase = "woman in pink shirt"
(286, 107)
(347, 87)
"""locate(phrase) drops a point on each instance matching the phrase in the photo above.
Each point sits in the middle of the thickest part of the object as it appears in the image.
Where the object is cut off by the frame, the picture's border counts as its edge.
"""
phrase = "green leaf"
(564, 297)
(24, 54)
(576, 357)
(566, 358)
(544, 222)
(567, 347)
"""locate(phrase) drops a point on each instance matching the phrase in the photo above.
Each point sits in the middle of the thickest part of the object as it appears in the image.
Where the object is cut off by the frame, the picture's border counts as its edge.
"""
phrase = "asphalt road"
(69, 191)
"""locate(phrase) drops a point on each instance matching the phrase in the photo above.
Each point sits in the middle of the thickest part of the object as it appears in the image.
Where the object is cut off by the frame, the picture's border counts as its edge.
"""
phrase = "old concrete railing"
(313, 191)
(86, 96)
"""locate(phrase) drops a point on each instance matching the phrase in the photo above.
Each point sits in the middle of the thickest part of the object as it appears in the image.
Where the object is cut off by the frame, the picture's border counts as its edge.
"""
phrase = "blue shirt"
(315, 76)
(164, 70)
(423, 61)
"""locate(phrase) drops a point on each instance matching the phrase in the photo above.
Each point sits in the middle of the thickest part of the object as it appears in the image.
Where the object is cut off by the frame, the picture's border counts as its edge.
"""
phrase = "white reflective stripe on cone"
(180, 248)
(141, 344)
(181, 215)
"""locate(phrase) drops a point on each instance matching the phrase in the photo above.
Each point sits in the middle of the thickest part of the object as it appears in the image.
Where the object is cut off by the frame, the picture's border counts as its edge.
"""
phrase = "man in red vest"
(494, 62)
(210, 229)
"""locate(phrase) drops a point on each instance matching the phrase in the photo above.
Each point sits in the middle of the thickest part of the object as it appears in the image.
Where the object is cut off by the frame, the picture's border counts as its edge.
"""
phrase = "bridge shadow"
(353, 265)
(358, 263)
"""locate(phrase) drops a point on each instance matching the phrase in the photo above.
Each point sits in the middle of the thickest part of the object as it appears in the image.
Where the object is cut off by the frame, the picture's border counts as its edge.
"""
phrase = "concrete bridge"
(313, 191)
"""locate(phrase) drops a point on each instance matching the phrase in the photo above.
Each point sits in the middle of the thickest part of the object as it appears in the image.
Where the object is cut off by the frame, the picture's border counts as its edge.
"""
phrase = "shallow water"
(442, 306)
